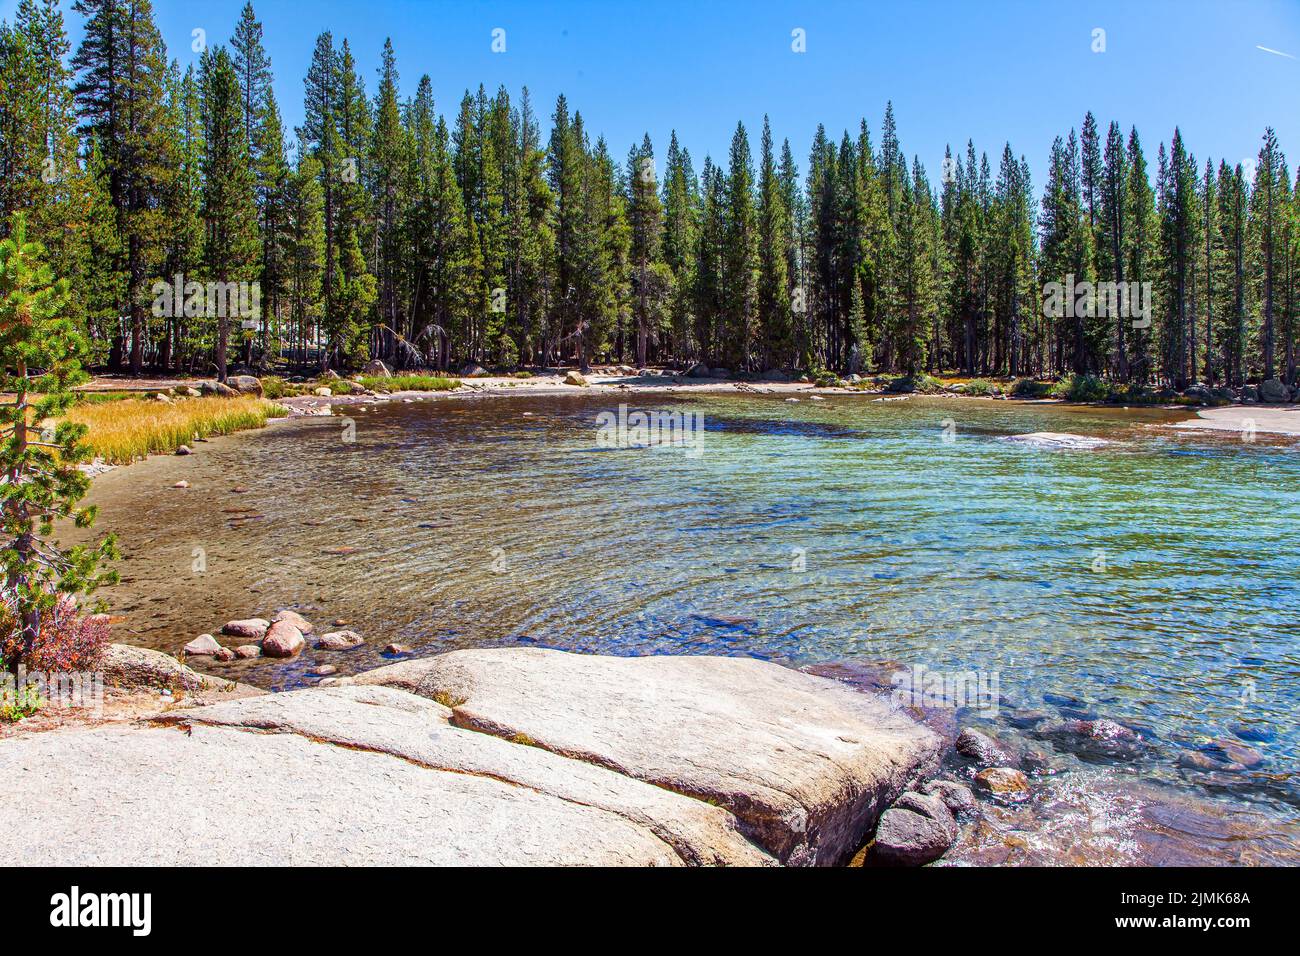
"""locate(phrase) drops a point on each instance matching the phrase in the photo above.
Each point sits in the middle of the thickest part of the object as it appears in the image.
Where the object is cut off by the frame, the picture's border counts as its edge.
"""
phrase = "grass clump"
(409, 383)
(122, 432)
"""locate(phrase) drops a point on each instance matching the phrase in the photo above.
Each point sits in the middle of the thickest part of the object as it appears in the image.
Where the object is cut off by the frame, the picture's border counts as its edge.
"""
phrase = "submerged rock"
(294, 618)
(1002, 780)
(1057, 440)
(282, 640)
(982, 748)
(1094, 739)
(339, 641)
(956, 797)
(205, 645)
(916, 830)
(805, 763)
(254, 627)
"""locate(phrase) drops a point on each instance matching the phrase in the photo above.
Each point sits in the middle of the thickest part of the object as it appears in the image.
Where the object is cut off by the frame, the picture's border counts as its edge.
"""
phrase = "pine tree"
(122, 75)
(305, 245)
(645, 217)
(740, 256)
(389, 165)
(253, 68)
(40, 362)
(231, 250)
(773, 260)
(272, 175)
(1267, 210)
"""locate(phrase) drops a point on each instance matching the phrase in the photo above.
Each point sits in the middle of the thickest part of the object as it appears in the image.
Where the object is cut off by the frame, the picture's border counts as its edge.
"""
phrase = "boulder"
(1274, 391)
(224, 655)
(396, 649)
(377, 369)
(339, 641)
(1057, 440)
(698, 370)
(1094, 739)
(294, 618)
(574, 377)
(956, 797)
(916, 830)
(163, 397)
(252, 627)
(130, 668)
(473, 369)
(248, 651)
(805, 763)
(1249, 394)
(776, 375)
(184, 450)
(1002, 780)
(217, 388)
(982, 748)
(245, 384)
(282, 640)
(365, 782)
(202, 646)
(324, 391)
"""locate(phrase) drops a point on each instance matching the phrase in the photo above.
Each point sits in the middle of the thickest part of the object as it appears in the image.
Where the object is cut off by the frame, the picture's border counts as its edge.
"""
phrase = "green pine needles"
(40, 362)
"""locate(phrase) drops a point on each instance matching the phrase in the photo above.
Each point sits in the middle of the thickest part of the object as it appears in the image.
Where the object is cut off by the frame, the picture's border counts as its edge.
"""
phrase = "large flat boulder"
(805, 763)
(386, 720)
(226, 797)
(353, 777)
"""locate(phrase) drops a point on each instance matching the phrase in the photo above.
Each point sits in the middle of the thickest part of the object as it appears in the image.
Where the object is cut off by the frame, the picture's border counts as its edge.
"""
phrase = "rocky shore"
(504, 756)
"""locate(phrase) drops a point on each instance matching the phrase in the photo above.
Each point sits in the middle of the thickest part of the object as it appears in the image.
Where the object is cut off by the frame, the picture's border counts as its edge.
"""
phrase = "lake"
(1151, 581)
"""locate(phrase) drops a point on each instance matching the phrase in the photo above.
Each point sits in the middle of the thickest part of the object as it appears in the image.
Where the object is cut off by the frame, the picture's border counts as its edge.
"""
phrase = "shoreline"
(1013, 814)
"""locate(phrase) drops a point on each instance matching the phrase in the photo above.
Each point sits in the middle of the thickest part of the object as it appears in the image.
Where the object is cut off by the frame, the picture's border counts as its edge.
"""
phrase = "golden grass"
(124, 431)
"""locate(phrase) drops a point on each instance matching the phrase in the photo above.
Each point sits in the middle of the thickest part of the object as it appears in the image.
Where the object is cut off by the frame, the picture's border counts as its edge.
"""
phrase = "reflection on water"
(1153, 579)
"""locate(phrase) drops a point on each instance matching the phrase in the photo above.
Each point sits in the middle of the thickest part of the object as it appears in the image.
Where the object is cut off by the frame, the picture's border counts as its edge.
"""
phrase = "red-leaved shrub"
(67, 640)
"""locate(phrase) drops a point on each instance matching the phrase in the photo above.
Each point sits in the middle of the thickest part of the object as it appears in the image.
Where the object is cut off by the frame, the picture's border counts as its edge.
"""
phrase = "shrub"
(1029, 388)
(1081, 388)
(507, 351)
(981, 386)
(67, 640)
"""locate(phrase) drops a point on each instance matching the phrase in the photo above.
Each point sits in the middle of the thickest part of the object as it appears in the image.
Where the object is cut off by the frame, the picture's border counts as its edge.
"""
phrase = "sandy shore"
(1272, 419)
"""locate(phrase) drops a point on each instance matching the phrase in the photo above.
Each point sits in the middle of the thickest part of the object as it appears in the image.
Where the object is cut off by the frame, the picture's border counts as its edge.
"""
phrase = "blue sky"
(992, 71)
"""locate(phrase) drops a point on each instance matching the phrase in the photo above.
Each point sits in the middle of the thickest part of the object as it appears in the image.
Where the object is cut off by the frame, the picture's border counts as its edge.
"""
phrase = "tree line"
(383, 228)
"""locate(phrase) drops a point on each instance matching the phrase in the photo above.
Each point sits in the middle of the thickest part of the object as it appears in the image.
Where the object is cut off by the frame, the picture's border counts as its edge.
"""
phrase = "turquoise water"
(1153, 579)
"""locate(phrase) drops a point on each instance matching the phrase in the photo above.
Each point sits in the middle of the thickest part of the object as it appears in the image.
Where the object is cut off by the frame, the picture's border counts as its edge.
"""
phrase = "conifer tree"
(231, 249)
(122, 76)
(40, 362)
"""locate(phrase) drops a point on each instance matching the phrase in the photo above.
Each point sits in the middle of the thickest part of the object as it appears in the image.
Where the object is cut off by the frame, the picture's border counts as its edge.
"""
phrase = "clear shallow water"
(500, 521)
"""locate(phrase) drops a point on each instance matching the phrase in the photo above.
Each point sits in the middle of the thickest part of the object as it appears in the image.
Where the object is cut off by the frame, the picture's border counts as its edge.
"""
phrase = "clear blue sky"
(992, 71)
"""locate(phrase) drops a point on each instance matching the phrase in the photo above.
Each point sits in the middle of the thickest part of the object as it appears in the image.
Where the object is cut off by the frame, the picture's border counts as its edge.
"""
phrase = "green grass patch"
(410, 383)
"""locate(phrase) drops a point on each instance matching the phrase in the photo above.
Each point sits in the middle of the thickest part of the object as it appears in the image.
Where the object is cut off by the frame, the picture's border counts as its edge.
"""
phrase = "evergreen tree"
(231, 250)
(40, 362)
(645, 217)
(773, 260)
(253, 68)
(122, 76)
(739, 258)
